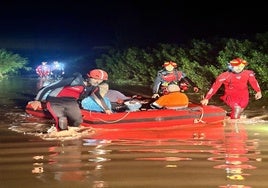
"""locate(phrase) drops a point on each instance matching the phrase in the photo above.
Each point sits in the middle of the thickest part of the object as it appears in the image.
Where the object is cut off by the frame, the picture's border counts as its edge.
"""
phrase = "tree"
(201, 61)
(11, 63)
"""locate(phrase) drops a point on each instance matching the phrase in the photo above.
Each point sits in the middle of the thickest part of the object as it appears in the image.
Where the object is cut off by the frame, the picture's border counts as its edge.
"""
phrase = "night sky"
(78, 26)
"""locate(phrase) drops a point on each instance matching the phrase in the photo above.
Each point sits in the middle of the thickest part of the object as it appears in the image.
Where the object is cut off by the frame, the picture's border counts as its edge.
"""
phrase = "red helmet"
(98, 74)
(238, 61)
(170, 63)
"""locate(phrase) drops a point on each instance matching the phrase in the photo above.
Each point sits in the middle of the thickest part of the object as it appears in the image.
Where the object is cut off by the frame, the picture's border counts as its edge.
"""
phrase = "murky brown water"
(232, 155)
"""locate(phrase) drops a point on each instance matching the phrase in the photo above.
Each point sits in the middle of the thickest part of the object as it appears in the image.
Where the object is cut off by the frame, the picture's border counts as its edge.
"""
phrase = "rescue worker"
(170, 75)
(235, 81)
(43, 70)
(61, 97)
(57, 70)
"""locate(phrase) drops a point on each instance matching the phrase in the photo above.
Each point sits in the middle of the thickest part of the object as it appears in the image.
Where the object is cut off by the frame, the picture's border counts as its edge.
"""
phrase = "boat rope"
(114, 121)
(199, 120)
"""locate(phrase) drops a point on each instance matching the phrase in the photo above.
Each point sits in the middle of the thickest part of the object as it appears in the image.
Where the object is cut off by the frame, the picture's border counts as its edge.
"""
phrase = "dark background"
(48, 30)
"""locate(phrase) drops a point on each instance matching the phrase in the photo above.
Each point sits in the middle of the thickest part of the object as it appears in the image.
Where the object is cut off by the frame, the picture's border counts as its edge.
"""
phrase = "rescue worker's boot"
(63, 124)
(237, 112)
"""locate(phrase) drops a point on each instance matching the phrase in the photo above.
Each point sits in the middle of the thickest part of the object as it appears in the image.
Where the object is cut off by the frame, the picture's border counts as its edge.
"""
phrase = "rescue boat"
(146, 119)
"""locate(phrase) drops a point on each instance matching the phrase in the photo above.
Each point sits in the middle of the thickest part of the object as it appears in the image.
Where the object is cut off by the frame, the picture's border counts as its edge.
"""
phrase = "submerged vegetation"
(200, 60)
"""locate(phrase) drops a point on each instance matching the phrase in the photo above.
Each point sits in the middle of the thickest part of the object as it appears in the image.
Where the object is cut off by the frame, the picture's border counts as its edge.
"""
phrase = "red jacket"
(235, 84)
(43, 70)
(164, 78)
(71, 87)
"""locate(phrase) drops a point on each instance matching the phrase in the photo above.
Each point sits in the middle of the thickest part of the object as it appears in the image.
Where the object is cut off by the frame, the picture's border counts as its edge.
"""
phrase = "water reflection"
(230, 155)
(229, 143)
(98, 156)
(42, 82)
(225, 152)
(38, 164)
(71, 162)
(237, 153)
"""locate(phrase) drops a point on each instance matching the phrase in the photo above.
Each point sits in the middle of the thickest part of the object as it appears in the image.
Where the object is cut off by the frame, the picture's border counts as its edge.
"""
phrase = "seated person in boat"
(173, 100)
(116, 96)
(117, 100)
(120, 102)
(93, 103)
(171, 75)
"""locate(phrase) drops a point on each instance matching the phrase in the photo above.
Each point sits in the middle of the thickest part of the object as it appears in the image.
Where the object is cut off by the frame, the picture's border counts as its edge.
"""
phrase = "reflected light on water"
(237, 153)
(210, 156)
(235, 150)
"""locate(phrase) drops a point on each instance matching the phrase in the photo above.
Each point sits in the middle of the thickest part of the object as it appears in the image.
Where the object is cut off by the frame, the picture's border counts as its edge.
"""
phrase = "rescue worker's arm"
(156, 86)
(216, 85)
(255, 85)
(44, 92)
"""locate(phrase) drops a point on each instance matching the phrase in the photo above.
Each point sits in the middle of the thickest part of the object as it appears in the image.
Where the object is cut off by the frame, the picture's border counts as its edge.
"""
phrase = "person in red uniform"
(235, 81)
(57, 70)
(61, 97)
(170, 75)
(43, 70)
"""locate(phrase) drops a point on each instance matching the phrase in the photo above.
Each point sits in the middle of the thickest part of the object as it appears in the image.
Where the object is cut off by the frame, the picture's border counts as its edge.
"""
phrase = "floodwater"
(223, 155)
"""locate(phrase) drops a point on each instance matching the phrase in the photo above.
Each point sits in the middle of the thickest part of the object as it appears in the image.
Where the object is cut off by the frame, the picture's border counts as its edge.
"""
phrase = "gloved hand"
(258, 95)
(108, 112)
(120, 101)
(35, 104)
(204, 102)
(155, 96)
